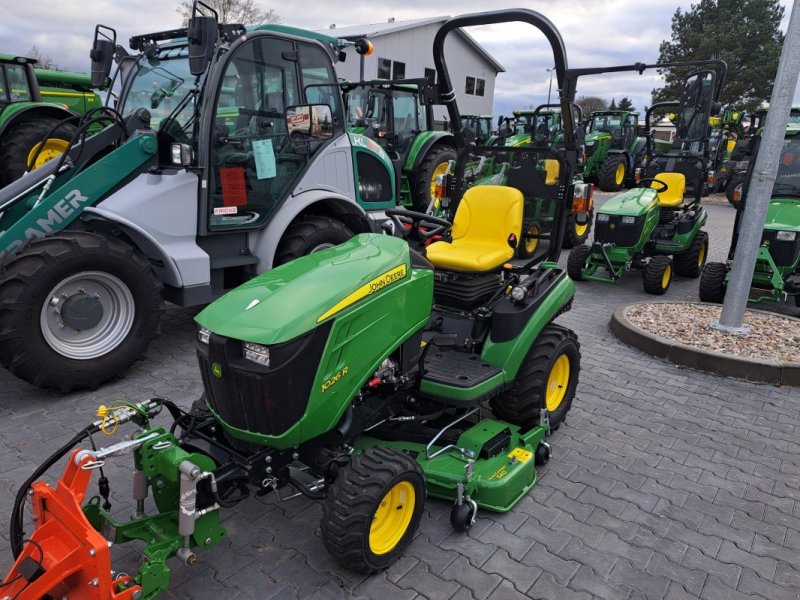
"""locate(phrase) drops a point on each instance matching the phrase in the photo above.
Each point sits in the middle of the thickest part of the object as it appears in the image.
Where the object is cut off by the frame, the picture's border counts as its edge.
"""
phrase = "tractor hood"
(291, 300)
(596, 136)
(633, 203)
(518, 139)
(783, 215)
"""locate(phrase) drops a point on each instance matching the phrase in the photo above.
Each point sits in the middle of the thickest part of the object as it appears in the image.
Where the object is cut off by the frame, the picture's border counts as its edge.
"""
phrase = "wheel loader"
(366, 376)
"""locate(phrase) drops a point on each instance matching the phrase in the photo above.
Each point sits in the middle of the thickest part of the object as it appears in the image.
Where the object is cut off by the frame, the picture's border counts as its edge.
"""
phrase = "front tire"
(691, 262)
(434, 164)
(576, 262)
(613, 173)
(657, 275)
(547, 379)
(576, 233)
(310, 234)
(76, 309)
(734, 190)
(712, 282)
(20, 144)
(373, 509)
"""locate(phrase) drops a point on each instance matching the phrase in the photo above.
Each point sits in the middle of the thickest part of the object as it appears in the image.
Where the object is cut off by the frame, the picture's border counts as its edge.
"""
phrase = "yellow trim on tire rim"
(557, 383)
(53, 147)
(665, 278)
(580, 230)
(619, 174)
(531, 243)
(392, 517)
(439, 170)
(702, 255)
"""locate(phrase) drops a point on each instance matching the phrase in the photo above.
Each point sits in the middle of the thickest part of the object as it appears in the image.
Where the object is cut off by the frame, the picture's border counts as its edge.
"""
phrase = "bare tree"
(590, 104)
(43, 61)
(244, 12)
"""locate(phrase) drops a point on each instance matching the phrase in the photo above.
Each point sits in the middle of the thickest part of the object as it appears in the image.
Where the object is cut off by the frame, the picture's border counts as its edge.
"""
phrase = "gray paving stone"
(751, 583)
(764, 566)
(691, 580)
(480, 582)
(717, 590)
(652, 586)
(425, 583)
(587, 580)
(547, 588)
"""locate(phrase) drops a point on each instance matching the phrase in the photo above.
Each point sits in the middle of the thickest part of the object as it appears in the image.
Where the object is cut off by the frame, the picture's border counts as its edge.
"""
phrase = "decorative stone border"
(767, 371)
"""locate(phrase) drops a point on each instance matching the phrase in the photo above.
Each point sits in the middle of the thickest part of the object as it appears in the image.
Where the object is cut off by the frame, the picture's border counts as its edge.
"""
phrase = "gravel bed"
(771, 337)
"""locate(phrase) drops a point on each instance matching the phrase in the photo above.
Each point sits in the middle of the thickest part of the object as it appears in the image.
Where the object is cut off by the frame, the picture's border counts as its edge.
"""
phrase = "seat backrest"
(676, 188)
(489, 214)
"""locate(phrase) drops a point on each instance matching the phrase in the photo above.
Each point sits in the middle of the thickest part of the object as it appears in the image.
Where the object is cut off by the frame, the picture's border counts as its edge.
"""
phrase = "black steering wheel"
(422, 226)
(648, 181)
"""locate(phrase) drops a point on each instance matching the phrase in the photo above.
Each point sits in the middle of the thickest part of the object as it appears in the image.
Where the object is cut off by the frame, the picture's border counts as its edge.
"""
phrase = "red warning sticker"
(234, 192)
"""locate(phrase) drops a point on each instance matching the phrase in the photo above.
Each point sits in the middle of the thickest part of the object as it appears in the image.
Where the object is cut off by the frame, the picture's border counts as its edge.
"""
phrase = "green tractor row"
(366, 376)
(34, 104)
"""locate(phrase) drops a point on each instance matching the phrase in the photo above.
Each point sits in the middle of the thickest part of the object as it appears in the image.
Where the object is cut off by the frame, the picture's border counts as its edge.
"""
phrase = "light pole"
(550, 86)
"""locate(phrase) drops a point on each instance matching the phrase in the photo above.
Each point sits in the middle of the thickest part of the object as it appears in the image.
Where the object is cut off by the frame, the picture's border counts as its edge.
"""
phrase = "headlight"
(256, 353)
(203, 335)
(786, 236)
(628, 220)
(590, 143)
(518, 293)
(602, 218)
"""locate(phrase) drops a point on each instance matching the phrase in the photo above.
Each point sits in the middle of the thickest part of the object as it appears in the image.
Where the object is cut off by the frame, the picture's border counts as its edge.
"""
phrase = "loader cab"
(17, 81)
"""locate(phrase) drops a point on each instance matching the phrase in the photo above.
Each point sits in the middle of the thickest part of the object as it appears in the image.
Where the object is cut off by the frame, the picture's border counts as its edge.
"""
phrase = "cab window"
(18, 83)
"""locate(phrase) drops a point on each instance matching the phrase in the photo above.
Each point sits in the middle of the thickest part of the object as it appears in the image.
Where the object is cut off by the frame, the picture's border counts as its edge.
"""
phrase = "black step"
(458, 369)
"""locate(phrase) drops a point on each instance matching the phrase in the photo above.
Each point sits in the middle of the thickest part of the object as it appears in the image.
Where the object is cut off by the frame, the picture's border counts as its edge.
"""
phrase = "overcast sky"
(597, 33)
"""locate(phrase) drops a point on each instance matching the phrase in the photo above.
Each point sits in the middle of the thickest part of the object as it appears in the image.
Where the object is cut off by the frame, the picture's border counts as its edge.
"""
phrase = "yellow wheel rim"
(666, 277)
(391, 519)
(619, 176)
(52, 147)
(702, 256)
(580, 230)
(439, 170)
(531, 243)
(557, 383)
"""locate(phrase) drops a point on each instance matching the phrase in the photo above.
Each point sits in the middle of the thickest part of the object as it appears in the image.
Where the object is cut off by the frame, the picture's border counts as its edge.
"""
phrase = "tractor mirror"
(102, 54)
(500, 120)
(202, 33)
(309, 122)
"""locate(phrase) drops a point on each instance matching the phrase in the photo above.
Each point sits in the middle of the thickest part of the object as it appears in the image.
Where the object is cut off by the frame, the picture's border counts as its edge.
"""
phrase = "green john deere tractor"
(777, 270)
(362, 376)
(650, 228)
(398, 115)
(214, 167)
(613, 149)
(34, 104)
(480, 127)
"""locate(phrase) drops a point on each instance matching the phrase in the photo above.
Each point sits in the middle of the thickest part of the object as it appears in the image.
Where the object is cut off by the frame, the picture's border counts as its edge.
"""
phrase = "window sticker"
(234, 192)
(265, 159)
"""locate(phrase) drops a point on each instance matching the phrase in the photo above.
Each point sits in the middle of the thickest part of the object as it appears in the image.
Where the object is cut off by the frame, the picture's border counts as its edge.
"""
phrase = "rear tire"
(76, 309)
(577, 262)
(712, 282)
(544, 380)
(691, 262)
(423, 178)
(18, 143)
(609, 178)
(358, 527)
(657, 276)
(575, 233)
(308, 235)
(733, 191)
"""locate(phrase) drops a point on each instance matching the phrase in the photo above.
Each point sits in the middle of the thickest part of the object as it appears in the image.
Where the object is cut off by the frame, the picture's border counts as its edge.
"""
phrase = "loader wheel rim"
(53, 147)
(665, 278)
(441, 169)
(531, 243)
(619, 174)
(557, 383)
(701, 256)
(392, 518)
(87, 315)
(580, 230)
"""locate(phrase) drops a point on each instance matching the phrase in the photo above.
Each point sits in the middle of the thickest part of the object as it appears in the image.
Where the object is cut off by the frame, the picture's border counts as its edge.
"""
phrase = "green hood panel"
(634, 203)
(783, 215)
(288, 301)
(597, 136)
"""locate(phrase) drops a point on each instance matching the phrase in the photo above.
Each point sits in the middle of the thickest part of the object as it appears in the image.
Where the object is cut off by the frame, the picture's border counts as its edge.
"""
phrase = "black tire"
(608, 178)
(691, 262)
(527, 246)
(731, 188)
(17, 144)
(436, 156)
(657, 276)
(712, 282)
(308, 235)
(572, 237)
(577, 262)
(522, 404)
(353, 502)
(45, 355)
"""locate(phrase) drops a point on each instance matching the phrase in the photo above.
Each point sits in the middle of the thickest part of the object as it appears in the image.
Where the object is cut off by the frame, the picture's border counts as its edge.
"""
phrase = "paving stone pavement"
(664, 483)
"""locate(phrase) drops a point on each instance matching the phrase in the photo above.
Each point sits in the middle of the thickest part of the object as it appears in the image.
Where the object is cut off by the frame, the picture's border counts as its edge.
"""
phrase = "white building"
(404, 50)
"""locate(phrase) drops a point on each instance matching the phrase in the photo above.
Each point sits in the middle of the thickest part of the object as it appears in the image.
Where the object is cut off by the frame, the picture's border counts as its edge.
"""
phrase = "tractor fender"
(32, 111)
(423, 143)
(264, 243)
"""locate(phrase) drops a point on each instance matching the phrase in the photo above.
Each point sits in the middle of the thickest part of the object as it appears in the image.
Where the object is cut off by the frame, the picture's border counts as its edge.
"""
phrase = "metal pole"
(764, 172)
(550, 87)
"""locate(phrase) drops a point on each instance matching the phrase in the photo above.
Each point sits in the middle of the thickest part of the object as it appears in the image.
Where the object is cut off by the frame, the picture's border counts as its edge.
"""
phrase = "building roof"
(374, 30)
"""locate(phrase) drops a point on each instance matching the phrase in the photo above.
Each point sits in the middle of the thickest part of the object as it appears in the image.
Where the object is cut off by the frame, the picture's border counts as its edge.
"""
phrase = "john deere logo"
(216, 369)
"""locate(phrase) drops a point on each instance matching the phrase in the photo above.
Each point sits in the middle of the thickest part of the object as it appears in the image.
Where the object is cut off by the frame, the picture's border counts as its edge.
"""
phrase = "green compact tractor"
(363, 376)
(398, 115)
(650, 228)
(226, 155)
(613, 149)
(777, 271)
(34, 104)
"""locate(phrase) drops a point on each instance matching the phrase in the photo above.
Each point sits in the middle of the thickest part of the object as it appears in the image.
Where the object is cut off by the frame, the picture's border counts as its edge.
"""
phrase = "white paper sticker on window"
(265, 159)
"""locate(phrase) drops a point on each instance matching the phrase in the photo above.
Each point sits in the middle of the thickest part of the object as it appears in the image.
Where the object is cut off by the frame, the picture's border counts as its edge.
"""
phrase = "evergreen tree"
(613, 105)
(626, 104)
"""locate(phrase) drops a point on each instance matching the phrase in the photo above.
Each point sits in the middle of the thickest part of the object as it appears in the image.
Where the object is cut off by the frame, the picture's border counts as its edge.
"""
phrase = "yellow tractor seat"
(676, 188)
(485, 220)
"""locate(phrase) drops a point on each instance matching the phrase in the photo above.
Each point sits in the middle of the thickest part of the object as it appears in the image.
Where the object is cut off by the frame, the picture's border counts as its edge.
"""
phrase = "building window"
(398, 70)
(384, 68)
(480, 86)
(430, 75)
(470, 86)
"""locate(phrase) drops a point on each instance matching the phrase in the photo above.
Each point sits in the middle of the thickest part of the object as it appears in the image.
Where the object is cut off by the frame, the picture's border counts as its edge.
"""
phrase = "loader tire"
(308, 235)
(76, 309)
(19, 144)
(373, 509)
(547, 379)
